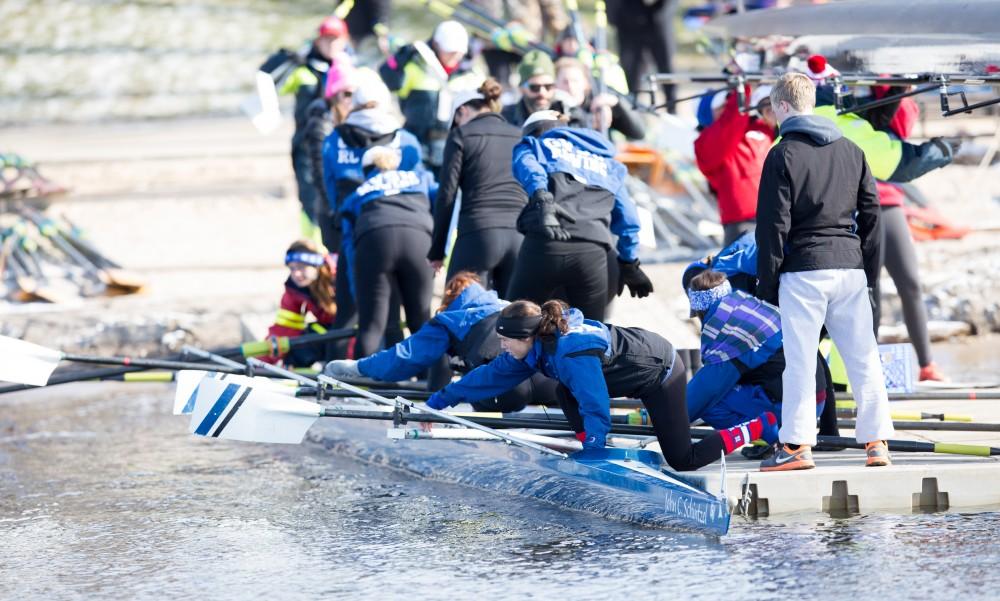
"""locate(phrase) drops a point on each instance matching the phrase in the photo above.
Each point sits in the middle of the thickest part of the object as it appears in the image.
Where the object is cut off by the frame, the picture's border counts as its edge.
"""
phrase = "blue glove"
(437, 401)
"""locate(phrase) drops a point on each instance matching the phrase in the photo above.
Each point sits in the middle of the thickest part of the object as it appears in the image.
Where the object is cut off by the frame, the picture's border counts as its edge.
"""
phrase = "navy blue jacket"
(437, 337)
(386, 199)
(342, 152)
(579, 168)
(593, 360)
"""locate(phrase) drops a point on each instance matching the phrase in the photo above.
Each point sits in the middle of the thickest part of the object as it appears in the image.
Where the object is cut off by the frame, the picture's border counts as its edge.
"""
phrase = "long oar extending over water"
(398, 402)
(249, 349)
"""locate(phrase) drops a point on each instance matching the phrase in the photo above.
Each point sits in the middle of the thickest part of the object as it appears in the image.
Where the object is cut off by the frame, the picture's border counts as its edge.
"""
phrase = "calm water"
(104, 495)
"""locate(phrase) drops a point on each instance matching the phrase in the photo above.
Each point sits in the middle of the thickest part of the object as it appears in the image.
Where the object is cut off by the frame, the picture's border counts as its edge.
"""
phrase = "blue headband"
(701, 300)
(301, 256)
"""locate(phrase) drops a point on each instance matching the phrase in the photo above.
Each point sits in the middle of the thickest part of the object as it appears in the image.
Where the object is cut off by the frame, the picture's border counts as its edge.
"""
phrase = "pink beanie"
(340, 75)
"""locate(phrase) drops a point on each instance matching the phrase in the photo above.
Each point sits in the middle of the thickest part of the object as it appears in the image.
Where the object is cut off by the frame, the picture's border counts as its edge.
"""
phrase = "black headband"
(518, 327)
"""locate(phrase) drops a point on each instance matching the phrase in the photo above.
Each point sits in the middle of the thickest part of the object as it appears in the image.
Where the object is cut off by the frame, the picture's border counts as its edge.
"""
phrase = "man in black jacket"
(817, 239)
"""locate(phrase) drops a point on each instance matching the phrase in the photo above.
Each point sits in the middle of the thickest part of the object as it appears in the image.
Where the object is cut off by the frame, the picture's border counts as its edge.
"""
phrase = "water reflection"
(140, 510)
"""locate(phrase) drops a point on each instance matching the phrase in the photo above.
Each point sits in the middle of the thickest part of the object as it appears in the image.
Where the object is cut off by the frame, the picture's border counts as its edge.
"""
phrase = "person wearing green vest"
(425, 76)
(889, 158)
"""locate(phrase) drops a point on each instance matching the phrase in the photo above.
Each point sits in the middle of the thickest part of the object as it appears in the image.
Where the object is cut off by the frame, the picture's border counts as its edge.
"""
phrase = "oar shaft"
(969, 395)
(210, 356)
(149, 363)
(457, 420)
(931, 425)
(111, 372)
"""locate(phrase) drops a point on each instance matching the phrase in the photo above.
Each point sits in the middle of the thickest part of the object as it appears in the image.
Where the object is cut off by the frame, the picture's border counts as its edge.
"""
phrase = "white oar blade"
(25, 362)
(188, 380)
(235, 411)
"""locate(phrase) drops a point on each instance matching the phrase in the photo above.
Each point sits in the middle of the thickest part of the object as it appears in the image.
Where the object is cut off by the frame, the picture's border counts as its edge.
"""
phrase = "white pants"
(838, 298)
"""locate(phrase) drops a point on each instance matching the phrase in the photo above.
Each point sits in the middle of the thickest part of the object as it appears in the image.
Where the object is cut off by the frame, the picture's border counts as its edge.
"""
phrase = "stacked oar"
(49, 260)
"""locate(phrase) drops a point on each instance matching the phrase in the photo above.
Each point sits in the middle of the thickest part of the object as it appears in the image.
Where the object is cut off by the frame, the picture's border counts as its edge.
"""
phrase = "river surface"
(104, 495)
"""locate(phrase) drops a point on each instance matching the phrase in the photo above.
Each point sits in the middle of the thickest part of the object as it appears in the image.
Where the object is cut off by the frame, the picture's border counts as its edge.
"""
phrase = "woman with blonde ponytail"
(463, 330)
(594, 362)
(477, 159)
(387, 230)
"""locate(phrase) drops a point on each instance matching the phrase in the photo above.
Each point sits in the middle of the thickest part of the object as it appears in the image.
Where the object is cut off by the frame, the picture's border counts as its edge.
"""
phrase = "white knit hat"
(759, 94)
(369, 87)
(451, 36)
(463, 96)
(540, 116)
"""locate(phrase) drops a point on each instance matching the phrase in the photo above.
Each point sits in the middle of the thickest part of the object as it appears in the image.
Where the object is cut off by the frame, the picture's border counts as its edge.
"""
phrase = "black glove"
(630, 274)
(541, 216)
(948, 146)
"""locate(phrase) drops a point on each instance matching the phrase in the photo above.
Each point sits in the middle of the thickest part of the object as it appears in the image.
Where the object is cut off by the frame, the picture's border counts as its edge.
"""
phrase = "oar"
(849, 409)
(971, 395)
(88, 257)
(28, 363)
(256, 348)
(931, 425)
(406, 404)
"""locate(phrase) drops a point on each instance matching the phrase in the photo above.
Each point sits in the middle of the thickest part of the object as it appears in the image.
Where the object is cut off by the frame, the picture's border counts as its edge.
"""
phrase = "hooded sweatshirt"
(578, 167)
(817, 207)
(343, 149)
(458, 331)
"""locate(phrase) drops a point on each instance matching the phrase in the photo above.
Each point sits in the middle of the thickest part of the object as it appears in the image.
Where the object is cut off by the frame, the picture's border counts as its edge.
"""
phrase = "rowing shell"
(625, 484)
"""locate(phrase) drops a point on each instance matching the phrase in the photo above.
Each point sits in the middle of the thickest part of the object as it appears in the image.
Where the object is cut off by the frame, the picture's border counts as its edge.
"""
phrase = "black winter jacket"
(817, 206)
(477, 159)
(318, 126)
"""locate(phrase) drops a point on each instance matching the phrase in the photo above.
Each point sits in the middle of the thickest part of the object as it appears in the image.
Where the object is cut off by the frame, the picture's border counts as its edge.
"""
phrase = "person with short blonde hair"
(795, 90)
(818, 242)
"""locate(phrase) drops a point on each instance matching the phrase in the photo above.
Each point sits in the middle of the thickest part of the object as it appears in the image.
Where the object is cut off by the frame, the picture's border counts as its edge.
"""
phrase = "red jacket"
(296, 303)
(731, 152)
(889, 195)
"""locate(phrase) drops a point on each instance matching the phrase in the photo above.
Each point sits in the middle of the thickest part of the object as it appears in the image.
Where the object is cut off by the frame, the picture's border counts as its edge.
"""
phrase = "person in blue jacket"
(577, 200)
(370, 123)
(742, 357)
(387, 226)
(592, 362)
(463, 329)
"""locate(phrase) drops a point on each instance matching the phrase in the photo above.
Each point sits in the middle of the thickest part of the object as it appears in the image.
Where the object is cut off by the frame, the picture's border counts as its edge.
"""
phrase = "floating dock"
(841, 484)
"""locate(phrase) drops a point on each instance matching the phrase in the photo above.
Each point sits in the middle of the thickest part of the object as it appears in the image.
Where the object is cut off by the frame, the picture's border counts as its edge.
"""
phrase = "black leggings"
(385, 257)
(667, 408)
(578, 267)
(491, 253)
(900, 259)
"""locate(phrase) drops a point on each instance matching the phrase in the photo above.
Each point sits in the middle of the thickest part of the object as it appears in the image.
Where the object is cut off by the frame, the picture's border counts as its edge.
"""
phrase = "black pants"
(658, 42)
(667, 408)
(491, 253)
(347, 313)
(304, 180)
(580, 268)
(899, 257)
(384, 257)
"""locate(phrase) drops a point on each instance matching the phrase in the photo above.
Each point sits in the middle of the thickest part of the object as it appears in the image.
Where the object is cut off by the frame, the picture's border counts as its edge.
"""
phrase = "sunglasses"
(538, 87)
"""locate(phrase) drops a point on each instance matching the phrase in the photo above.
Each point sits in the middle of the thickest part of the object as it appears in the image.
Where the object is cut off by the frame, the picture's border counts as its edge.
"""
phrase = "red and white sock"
(737, 436)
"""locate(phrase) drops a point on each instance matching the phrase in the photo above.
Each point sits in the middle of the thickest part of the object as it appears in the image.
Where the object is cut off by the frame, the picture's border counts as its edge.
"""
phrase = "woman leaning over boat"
(593, 362)
(463, 328)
